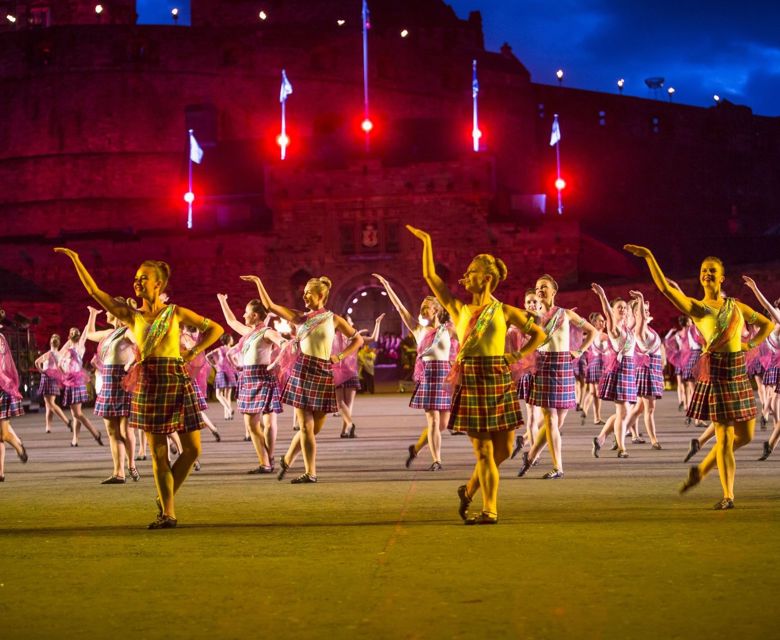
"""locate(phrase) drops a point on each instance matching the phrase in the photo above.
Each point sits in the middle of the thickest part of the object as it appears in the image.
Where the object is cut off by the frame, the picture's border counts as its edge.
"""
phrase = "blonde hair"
(321, 285)
(717, 260)
(162, 269)
(493, 266)
(550, 279)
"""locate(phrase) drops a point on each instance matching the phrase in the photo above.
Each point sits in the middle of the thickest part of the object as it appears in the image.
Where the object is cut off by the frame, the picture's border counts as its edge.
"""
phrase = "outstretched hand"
(93, 311)
(640, 252)
(749, 282)
(637, 294)
(254, 279)
(67, 252)
(422, 235)
(381, 278)
(598, 289)
(222, 297)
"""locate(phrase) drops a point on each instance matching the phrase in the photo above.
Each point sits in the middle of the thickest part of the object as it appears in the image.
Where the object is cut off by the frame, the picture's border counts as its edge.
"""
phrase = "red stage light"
(283, 140)
(560, 184)
(189, 197)
(367, 125)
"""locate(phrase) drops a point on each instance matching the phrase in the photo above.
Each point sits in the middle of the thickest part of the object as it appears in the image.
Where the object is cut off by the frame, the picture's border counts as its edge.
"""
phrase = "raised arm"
(641, 315)
(121, 311)
(440, 290)
(209, 331)
(90, 332)
(377, 324)
(239, 327)
(525, 323)
(406, 317)
(611, 324)
(672, 293)
(288, 314)
(774, 312)
(355, 339)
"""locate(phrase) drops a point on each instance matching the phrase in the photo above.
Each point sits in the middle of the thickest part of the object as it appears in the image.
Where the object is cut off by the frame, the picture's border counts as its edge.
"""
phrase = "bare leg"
(648, 404)
(170, 478)
(53, 407)
(252, 422)
(78, 414)
(269, 435)
(116, 445)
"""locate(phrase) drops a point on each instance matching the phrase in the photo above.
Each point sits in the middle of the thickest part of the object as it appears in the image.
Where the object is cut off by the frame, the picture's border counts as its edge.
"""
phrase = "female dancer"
(691, 349)
(522, 373)
(484, 405)
(346, 379)
(552, 393)
(618, 384)
(673, 342)
(258, 393)
(432, 393)
(163, 399)
(596, 354)
(722, 393)
(225, 379)
(772, 374)
(10, 404)
(51, 383)
(70, 358)
(649, 373)
(198, 370)
(115, 352)
(309, 387)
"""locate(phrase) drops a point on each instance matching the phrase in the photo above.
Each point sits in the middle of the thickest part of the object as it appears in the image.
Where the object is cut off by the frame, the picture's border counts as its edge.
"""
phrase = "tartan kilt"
(485, 402)
(619, 385)
(650, 378)
(727, 397)
(74, 395)
(49, 386)
(310, 385)
(553, 384)
(164, 399)
(433, 392)
(9, 407)
(112, 400)
(581, 369)
(225, 380)
(595, 370)
(755, 368)
(203, 405)
(258, 391)
(524, 387)
(690, 363)
(771, 376)
(350, 383)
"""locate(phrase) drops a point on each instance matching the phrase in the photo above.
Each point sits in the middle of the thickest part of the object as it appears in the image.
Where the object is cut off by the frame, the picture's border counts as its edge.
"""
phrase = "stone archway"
(362, 298)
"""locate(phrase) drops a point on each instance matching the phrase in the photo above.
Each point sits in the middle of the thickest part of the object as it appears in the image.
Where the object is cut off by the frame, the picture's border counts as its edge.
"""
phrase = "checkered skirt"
(485, 400)
(433, 392)
(225, 380)
(619, 384)
(310, 385)
(553, 385)
(112, 400)
(164, 399)
(689, 364)
(49, 386)
(524, 387)
(350, 383)
(650, 378)
(595, 369)
(581, 368)
(9, 407)
(203, 404)
(258, 391)
(74, 395)
(771, 376)
(727, 397)
(755, 368)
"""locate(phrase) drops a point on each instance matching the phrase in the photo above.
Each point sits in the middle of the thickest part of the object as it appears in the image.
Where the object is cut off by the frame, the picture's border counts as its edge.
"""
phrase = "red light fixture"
(560, 184)
(367, 125)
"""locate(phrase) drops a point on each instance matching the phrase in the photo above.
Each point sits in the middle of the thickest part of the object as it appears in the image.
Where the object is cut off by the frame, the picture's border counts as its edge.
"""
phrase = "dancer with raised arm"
(484, 404)
(432, 393)
(51, 383)
(552, 393)
(308, 362)
(258, 391)
(225, 375)
(163, 399)
(596, 354)
(115, 352)
(10, 403)
(772, 374)
(722, 392)
(74, 380)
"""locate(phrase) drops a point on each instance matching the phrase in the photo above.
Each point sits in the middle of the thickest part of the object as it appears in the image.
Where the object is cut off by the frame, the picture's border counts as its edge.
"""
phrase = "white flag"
(286, 89)
(196, 153)
(555, 136)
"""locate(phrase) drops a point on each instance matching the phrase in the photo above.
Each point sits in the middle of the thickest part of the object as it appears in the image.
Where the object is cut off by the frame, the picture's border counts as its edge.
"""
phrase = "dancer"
(618, 384)
(772, 374)
(673, 344)
(596, 354)
(649, 373)
(258, 393)
(309, 362)
(484, 405)
(522, 373)
(722, 393)
(51, 383)
(692, 342)
(225, 378)
(346, 379)
(70, 358)
(198, 370)
(432, 394)
(10, 404)
(552, 393)
(115, 353)
(163, 399)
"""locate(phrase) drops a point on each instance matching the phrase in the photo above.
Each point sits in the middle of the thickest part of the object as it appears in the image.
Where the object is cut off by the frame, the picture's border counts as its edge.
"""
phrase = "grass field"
(377, 551)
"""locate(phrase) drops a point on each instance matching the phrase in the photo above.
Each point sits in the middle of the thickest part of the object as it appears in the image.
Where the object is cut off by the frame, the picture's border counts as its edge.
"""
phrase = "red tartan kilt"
(771, 376)
(225, 380)
(727, 397)
(74, 395)
(650, 379)
(203, 404)
(524, 387)
(350, 383)
(485, 400)
(112, 400)
(619, 385)
(258, 391)
(164, 399)
(553, 385)
(433, 393)
(10, 407)
(310, 385)
(49, 386)
(595, 370)
(689, 364)
(581, 368)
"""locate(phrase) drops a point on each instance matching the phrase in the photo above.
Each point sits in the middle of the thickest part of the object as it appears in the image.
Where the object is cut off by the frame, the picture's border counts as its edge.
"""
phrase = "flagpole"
(189, 185)
(475, 132)
(365, 72)
(283, 137)
(558, 167)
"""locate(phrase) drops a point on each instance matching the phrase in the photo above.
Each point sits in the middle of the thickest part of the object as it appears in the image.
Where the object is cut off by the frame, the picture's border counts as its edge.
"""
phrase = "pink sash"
(431, 335)
(9, 376)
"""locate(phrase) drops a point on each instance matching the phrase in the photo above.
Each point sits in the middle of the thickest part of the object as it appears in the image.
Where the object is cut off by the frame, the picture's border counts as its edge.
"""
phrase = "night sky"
(701, 48)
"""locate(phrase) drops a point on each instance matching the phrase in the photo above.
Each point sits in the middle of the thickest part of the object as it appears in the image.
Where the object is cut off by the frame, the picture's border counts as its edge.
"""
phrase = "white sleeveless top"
(319, 342)
(440, 347)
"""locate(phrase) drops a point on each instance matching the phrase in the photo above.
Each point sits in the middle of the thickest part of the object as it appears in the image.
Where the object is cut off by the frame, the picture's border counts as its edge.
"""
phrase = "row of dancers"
(501, 349)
